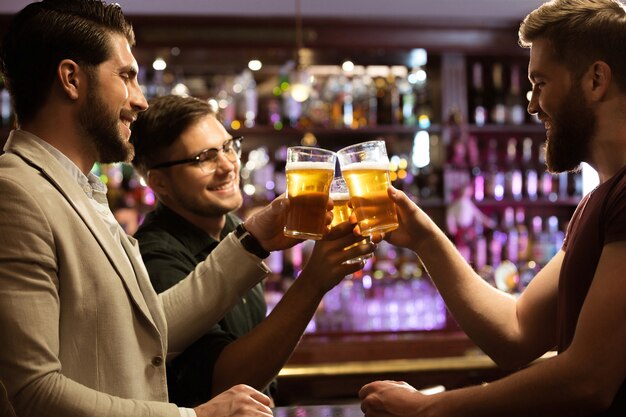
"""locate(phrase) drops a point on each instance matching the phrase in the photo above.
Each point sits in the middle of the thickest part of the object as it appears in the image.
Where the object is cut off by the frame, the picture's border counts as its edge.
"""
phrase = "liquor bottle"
(479, 112)
(513, 177)
(491, 172)
(512, 235)
(498, 111)
(409, 103)
(522, 233)
(530, 171)
(348, 103)
(383, 102)
(480, 248)
(372, 104)
(516, 113)
(541, 252)
(556, 236)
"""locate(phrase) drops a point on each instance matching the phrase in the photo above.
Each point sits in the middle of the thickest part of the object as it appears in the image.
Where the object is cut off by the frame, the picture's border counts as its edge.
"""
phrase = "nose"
(533, 104)
(137, 99)
(223, 164)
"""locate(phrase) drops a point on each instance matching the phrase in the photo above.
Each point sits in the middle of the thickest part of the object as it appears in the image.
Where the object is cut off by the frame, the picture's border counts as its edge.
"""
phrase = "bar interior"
(448, 95)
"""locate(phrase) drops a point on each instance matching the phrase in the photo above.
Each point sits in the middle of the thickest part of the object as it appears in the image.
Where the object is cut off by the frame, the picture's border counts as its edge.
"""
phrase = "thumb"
(279, 205)
(395, 195)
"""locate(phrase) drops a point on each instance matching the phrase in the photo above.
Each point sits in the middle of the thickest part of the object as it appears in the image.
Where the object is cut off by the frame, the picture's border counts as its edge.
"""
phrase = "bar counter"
(337, 410)
(331, 370)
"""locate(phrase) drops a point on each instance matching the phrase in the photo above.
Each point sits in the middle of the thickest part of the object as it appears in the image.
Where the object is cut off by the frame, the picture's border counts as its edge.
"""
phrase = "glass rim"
(369, 142)
(312, 148)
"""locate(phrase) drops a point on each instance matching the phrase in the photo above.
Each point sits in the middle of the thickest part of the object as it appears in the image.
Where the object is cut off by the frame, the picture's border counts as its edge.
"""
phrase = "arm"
(215, 284)
(274, 339)
(197, 302)
(583, 380)
(511, 333)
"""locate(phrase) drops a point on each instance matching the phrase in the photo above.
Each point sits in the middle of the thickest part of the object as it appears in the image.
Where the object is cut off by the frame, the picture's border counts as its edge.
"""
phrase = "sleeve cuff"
(187, 412)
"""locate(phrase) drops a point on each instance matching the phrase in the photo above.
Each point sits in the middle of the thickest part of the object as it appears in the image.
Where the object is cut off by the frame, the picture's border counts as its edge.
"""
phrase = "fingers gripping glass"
(207, 158)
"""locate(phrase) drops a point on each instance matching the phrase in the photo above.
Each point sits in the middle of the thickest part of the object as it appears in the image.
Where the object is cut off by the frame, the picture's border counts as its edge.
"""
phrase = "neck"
(608, 153)
(61, 132)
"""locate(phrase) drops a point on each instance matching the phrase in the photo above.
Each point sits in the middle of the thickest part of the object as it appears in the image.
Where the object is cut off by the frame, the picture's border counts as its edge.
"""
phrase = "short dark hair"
(162, 124)
(581, 32)
(43, 34)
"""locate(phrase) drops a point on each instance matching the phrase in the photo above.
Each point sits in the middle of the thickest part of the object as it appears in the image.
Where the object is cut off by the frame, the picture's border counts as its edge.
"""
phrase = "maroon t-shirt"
(600, 218)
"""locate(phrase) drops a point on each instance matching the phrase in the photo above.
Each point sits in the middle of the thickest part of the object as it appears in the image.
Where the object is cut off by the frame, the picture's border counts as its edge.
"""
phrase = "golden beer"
(308, 185)
(341, 210)
(368, 183)
(341, 213)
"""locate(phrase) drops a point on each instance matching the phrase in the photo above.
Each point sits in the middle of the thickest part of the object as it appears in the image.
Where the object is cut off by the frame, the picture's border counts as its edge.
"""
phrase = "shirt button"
(157, 361)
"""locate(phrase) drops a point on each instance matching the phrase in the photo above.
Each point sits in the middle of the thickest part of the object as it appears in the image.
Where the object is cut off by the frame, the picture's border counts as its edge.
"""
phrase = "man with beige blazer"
(82, 333)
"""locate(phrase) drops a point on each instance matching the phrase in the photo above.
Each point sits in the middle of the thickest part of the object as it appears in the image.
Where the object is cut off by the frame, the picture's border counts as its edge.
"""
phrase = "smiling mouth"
(127, 120)
(223, 187)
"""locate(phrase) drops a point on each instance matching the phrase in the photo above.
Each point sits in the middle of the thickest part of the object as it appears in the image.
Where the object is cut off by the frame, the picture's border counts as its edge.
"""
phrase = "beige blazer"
(82, 332)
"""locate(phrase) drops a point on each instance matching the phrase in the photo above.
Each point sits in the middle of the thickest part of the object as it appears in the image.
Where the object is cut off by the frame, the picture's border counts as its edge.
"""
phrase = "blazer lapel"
(20, 143)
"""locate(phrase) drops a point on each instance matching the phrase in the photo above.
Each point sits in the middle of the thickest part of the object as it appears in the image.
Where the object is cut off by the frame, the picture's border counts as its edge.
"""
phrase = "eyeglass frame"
(196, 159)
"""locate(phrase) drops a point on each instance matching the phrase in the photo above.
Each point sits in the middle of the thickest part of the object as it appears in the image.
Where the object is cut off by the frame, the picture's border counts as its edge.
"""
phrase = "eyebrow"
(131, 69)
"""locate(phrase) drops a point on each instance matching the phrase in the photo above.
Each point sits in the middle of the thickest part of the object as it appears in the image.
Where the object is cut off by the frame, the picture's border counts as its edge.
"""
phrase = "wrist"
(249, 242)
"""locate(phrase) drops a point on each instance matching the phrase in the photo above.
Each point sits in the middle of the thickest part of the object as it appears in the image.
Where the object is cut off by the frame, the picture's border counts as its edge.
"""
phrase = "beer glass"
(309, 173)
(365, 167)
(341, 212)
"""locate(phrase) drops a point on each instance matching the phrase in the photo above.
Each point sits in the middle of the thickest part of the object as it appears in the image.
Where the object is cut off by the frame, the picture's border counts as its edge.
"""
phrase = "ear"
(69, 74)
(158, 181)
(599, 76)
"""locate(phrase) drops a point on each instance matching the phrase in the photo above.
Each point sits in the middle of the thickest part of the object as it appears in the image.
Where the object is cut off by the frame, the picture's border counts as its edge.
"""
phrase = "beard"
(568, 143)
(102, 126)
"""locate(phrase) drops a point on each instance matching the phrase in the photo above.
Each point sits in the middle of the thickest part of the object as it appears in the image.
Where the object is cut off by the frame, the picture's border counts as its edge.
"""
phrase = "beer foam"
(327, 166)
(339, 196)
(371, 165)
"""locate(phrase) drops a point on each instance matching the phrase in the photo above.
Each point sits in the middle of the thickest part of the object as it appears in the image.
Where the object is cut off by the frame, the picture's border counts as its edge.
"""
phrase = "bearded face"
(572, 127)
(102, 124)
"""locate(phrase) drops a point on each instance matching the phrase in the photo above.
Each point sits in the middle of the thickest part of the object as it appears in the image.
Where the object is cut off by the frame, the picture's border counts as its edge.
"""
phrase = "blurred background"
(443, 82)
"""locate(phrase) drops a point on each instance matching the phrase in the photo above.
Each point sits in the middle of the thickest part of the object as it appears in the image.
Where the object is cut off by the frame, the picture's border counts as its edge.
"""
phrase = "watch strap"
(249, 242)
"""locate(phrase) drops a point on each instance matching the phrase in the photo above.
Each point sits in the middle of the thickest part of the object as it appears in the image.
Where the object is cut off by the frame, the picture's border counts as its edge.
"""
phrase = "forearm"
(557, 386)
(256, 358)
(55, 395)
(195, 304)
(486, 314)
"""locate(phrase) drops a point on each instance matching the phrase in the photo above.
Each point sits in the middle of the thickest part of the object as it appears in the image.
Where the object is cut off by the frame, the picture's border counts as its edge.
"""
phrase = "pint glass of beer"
(365, 167)
(341, 211)
(309, 174)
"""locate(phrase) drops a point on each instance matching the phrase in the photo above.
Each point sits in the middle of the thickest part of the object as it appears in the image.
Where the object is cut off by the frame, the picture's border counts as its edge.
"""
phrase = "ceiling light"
(255, 65)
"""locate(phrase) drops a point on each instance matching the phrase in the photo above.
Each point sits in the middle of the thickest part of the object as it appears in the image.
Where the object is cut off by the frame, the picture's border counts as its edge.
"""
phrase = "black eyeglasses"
(207, 158)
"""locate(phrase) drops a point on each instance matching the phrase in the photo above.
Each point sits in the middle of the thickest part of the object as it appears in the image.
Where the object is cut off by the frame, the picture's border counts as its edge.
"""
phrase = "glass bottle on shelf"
(531, 176)
(516, 111)
(513, 175)
(498, 110)
(478, 109)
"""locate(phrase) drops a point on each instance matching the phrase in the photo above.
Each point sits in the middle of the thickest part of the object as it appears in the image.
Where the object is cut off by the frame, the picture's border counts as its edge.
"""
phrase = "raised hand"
(267, 224)
(326, 265)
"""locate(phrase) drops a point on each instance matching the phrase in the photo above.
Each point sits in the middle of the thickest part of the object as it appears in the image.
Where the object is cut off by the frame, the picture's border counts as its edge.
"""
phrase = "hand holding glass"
(309, 174)
(365, 167)
(341, 212)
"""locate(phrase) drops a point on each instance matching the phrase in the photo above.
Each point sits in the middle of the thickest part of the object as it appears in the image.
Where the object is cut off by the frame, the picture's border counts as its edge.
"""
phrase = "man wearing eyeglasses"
(192, 164)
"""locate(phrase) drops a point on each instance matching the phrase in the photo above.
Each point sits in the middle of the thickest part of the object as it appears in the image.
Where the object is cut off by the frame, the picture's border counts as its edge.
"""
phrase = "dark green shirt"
(171, 247)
